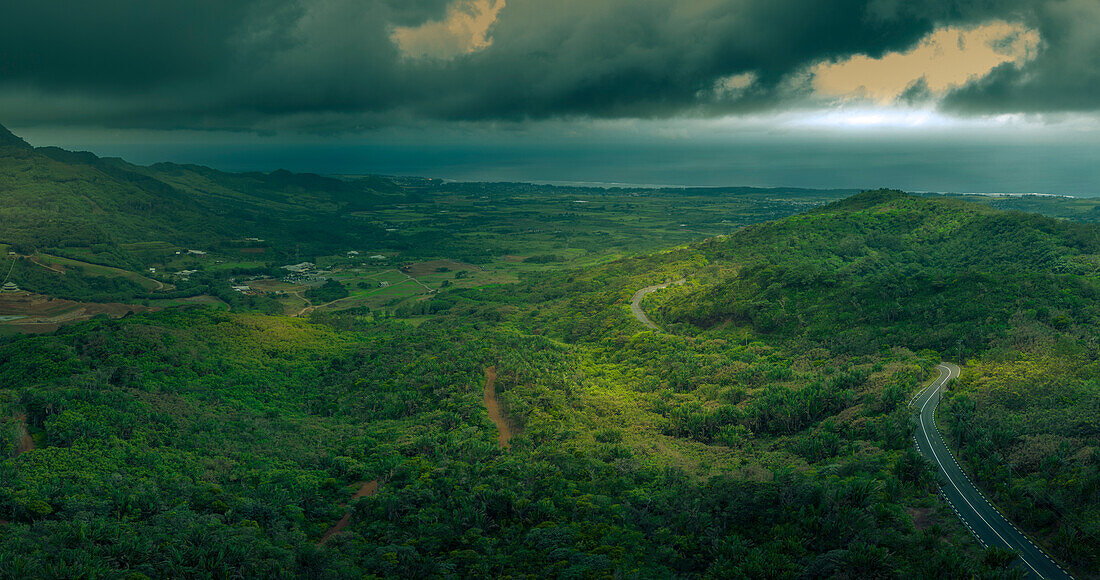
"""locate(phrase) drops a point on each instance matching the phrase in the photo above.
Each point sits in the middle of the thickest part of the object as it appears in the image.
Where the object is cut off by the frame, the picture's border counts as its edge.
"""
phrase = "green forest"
(197, 443)
(764, 431)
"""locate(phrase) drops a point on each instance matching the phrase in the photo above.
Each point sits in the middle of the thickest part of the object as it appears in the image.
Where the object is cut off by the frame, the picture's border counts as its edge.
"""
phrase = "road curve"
(636, 303)
(984, 521)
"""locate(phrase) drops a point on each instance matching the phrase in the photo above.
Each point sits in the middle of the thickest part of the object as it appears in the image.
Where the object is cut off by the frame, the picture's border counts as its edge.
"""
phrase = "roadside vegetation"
(1027, 424)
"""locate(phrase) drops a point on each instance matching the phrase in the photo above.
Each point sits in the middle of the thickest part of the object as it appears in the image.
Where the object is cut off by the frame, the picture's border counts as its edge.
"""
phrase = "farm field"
(24, 312)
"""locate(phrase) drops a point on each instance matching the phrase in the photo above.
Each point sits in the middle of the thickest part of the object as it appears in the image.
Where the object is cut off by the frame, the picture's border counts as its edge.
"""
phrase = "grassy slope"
(859, 278)
(46, 203)
(98, 270)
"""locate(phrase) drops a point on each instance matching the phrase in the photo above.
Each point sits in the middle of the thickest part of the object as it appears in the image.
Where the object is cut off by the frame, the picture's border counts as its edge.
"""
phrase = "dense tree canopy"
(764, 433)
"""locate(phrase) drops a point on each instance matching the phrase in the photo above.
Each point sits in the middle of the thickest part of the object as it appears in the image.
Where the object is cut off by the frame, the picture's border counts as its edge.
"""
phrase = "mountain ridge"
(11, 140)
(55, 198)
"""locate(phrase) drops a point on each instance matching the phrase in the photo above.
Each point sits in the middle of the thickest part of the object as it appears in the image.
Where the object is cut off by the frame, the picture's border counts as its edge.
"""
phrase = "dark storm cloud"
(655, 58)
(115, 44)
(331, 64)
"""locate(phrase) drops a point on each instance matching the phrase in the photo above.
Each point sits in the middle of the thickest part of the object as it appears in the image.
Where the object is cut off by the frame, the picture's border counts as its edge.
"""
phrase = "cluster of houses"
(185, 274)
(303, 272)
(238, 284)
(301, 268)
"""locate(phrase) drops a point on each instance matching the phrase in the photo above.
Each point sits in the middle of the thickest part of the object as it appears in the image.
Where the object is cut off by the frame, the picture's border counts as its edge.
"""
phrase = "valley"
(335, 377)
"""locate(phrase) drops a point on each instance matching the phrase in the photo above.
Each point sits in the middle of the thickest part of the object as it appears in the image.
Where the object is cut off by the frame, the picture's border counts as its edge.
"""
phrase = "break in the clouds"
(338, 65)
(1065, 74)
(944, 60)
(465, 29)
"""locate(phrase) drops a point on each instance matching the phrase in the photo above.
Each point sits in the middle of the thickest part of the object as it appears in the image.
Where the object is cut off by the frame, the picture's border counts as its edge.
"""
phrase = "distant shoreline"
(625, 185)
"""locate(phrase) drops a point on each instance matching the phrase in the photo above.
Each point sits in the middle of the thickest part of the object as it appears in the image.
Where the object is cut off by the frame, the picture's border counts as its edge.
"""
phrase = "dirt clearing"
(366, 489)
(26, 442)
(492, 404)
(39, 313)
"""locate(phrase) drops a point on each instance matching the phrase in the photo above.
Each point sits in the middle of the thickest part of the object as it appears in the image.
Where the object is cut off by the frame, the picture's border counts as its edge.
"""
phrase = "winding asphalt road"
(977, 513)
(984, 521)
(636, 303)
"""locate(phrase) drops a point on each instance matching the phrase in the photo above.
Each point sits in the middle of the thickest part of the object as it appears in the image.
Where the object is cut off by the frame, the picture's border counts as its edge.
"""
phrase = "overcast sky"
(980, 95)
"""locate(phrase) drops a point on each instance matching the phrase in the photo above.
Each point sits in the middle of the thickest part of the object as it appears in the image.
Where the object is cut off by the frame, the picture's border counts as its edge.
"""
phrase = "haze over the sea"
(1059, 163)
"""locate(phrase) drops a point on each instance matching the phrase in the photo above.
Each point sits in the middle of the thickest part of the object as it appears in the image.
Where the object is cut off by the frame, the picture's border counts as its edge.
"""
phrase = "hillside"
(887, 269)
(9, 141)
(66, 202)
(1012, 295)
(1009, 295)
(197, 443)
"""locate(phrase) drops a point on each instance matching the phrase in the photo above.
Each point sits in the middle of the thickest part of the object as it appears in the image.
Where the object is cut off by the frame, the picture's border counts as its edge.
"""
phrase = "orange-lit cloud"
(945, 59)
(465, 29)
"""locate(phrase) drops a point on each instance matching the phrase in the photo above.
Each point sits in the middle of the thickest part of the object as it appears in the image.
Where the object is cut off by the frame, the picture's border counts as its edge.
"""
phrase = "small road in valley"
(984, 521)
(636, 302)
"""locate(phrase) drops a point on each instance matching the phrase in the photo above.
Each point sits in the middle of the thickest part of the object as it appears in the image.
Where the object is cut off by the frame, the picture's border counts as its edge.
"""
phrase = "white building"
(299, 268)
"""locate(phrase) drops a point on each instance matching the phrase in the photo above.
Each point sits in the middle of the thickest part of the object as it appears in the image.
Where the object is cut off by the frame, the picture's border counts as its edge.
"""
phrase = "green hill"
(196, 443)
(65, 202)
(11, 141)
(1011, 295)
(885, 269)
